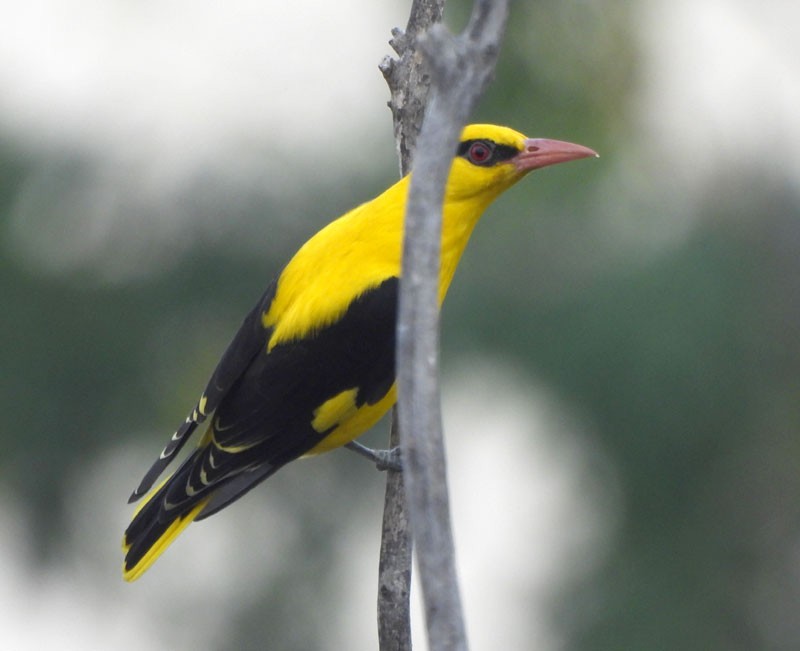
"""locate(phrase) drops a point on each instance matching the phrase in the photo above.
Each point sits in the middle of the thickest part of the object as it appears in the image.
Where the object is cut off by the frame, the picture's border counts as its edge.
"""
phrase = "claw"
(383, 459)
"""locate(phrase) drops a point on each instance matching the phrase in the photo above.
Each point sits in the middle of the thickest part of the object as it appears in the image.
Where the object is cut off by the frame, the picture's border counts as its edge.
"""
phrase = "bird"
(312, 366)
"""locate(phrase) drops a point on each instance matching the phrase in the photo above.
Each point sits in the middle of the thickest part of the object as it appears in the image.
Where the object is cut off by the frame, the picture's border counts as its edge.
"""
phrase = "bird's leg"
(383, 459)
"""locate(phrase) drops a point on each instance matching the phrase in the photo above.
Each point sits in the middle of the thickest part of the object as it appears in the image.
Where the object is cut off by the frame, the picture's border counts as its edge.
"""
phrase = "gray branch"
(394, 567)
(461, 67)
(409, 83)
(408, 78)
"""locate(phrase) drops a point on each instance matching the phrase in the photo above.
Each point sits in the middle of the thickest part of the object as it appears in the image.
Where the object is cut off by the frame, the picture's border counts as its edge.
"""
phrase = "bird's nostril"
(533, 148)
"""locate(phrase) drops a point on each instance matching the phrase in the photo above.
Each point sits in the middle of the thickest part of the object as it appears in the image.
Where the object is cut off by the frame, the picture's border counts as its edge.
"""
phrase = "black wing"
(265, 412)
(265, 420)
(248, 341)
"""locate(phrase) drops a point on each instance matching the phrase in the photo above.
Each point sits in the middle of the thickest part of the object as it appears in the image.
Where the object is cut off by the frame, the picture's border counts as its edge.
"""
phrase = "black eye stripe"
(505, 152)
(500, 153)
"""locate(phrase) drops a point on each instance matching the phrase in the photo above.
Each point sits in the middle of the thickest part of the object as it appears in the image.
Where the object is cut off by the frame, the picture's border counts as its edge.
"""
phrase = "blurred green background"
(621, 359)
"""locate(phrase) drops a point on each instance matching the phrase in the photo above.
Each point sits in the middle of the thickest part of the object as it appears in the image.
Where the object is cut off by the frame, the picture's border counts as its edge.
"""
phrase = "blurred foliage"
(686, 361)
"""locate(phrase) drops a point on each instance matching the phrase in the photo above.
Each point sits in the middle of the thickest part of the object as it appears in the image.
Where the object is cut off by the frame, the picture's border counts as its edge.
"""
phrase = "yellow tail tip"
(169, 534)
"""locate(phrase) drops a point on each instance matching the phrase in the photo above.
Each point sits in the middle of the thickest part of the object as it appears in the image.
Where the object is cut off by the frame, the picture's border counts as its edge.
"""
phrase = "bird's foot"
(383, 459)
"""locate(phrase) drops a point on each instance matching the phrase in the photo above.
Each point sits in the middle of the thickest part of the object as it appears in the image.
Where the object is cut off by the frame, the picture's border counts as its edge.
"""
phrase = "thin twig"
(461, 67)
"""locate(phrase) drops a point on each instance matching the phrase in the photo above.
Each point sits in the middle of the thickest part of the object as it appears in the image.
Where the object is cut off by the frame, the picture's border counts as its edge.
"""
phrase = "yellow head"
(491, 158)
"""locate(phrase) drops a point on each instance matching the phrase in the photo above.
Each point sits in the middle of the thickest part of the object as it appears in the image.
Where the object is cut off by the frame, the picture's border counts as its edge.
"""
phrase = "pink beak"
(540, 152)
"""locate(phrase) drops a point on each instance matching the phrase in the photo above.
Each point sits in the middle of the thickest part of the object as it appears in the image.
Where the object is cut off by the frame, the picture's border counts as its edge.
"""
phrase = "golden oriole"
(312, 366)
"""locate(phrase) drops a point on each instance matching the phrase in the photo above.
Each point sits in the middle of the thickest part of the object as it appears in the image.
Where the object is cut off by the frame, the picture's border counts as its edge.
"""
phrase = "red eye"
(479, 153)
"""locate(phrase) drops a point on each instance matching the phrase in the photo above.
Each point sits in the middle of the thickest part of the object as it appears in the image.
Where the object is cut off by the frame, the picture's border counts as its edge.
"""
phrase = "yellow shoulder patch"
(348, 420)
(335, 411)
